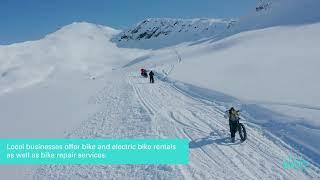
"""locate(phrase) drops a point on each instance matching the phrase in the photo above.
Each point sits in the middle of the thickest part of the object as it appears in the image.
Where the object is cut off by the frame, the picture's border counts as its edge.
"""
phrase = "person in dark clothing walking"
(233, 116)
(151, 74)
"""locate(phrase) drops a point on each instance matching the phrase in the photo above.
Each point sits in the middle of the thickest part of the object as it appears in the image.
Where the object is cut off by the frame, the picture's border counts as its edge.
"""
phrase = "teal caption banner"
(94, 151)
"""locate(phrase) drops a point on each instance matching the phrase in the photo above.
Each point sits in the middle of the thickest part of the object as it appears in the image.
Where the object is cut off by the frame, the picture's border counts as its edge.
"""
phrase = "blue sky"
(22, 20)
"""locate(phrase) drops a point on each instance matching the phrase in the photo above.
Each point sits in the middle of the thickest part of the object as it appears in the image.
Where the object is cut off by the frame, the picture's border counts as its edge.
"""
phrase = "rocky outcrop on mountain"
(172, 31)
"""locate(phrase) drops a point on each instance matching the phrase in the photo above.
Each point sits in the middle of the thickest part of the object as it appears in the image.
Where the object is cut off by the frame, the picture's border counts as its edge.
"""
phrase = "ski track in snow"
(133, 108)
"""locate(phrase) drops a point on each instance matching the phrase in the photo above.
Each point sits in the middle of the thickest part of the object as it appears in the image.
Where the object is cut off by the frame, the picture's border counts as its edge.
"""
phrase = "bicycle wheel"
(242, 132)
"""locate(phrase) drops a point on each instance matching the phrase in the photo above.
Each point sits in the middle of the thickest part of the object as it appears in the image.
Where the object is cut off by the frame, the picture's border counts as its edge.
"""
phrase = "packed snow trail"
(133, 108)
(121, 116)
(211, 154)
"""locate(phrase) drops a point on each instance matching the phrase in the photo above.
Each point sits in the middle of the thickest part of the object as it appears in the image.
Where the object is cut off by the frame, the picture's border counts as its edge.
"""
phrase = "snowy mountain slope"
(171, 108)
(162, 32)
(282, 58)
(47, 86)
(119, 104)
(155, 33)
(81, 47)
(269, 74)
(160, 110)
(76, 82)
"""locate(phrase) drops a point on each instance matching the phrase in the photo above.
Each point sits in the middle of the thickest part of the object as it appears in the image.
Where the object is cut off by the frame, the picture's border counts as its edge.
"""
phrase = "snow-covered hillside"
(254, 71)
(274, 68)
(162, 32)
(81, 47)
(270, 74)
(155, 33)
(83, 81)
(48, 87)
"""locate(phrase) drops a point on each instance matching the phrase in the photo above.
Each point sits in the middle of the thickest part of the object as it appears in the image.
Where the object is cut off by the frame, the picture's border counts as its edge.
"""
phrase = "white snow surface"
(185, 102)
(270, 66)
(161, 110)
(80, 46)
(269, 74)
(47, 86)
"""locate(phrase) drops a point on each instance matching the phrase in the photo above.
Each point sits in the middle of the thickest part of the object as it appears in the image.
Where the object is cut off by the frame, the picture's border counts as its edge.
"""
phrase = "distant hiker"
(151, 74)
(144, 73)
(234, 117)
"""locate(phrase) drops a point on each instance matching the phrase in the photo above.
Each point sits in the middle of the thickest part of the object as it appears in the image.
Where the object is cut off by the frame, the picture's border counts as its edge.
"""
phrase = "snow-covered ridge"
(79, 46)
(157, 27)
(167, 31)
(84, 29)
(157, 33)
